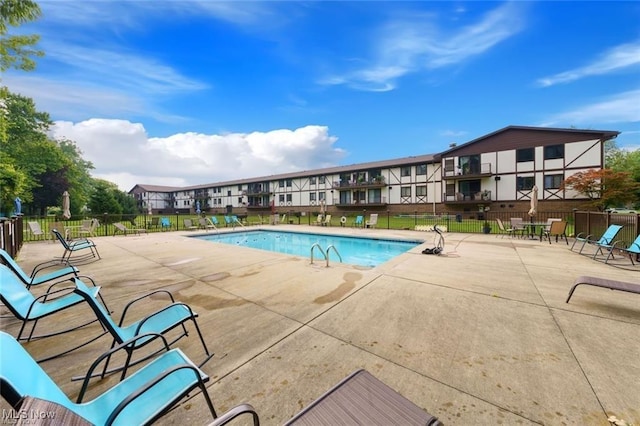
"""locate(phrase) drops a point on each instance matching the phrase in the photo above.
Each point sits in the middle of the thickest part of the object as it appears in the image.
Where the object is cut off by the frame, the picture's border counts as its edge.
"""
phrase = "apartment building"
(496, 171)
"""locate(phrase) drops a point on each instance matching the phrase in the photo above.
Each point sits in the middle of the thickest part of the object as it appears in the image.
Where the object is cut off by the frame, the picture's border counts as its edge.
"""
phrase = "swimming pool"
(353, 250)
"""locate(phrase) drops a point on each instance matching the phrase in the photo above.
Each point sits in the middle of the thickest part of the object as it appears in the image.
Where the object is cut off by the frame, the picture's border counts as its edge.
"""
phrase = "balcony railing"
(468, 172)
(371, 183)
(468, 197)
(382, 201)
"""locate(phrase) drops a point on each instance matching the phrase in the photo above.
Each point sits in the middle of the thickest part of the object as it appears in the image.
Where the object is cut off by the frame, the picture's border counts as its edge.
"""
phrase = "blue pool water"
(354, 250)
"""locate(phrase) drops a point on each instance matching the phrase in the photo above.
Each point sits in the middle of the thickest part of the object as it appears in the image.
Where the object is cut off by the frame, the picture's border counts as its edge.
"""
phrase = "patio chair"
(188, 225)
(141, 398)
(327, 220)
(358, 222)
(604, 283)
(607, 239)
(35, 277)
(557, 228)
(120, 227)
(36, 230)
(360, 398)
(517, 224)
(28, 308)
(155, 222)
(75, 246)
(632, 250)
(159, 322)
(165, 223)
(373, 221)
(215, 221)
(89, 227)
(319, 220)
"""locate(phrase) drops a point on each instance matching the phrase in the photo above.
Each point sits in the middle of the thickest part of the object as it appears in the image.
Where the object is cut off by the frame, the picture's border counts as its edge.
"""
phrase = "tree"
(604, 187)
(102, 200)
(17, 51)
(12, 182)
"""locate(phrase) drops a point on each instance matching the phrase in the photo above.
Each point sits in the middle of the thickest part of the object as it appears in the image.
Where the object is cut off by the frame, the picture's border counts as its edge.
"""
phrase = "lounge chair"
(327, 220)
(604, 283)
(557, 228)
(632, 250)
(358, 222)
(28, 308)
(75, 246)
(188, 225)
(141, 398)
(36, 230)
(607, 239)
(165, 223)
(319, 220)
(120, 227)
(373, 221)
(360, 398)
(215, 221)
(35, 277)
(504, 230)
(205, 223)
(158, 323)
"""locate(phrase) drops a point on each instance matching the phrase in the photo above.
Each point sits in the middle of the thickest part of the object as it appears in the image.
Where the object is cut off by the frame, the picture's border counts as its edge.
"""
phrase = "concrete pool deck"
(479, 335)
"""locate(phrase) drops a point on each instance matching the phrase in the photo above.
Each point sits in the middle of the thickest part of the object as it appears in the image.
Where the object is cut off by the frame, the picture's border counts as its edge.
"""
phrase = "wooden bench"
(604, 283)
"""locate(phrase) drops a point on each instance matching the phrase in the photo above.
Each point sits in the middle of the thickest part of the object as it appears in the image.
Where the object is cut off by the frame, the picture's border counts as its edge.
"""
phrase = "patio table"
(532, 229)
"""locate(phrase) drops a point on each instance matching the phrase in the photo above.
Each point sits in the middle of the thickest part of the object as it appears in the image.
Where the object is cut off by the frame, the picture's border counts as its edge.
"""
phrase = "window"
(322, 196)
(288, 183)
(448, 165)
(289, 198)
(239, 200)
(421, 191)
(229, 193)
(553, 181)
(526, 154)
(553, 151)
(525, 182)
(239, 187)
(312, 180)
(281, 198)
(421, 169)
(405, 171)
(405, 191)
(312, 196)
(320, 179)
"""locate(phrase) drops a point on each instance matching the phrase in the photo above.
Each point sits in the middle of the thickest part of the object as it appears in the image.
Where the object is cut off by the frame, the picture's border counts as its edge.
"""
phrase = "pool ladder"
(325, 253)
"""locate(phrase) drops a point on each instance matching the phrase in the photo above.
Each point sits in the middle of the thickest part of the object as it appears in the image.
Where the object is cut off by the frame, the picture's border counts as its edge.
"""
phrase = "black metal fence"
(17, 229)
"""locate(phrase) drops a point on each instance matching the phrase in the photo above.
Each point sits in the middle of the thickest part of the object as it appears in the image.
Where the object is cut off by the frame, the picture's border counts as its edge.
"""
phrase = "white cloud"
(619, 108)
(122, 152)
(411, 45)
(616, 58)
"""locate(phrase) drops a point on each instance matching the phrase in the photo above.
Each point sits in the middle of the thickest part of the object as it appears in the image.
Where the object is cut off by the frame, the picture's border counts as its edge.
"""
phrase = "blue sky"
(191, 92)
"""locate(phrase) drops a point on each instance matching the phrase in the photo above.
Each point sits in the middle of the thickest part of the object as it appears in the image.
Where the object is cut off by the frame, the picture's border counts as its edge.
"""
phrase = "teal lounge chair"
(36, 278)
(141, 398)
(358, 222)
(158, 323)
(633, 250)
(607, 238)
(28, 308)
(165, 223)
(75, 246)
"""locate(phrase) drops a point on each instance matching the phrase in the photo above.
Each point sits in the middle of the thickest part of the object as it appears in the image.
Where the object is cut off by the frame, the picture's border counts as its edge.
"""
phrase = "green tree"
(12, 182)
(103, 200)
(17, 51)
(78, 175)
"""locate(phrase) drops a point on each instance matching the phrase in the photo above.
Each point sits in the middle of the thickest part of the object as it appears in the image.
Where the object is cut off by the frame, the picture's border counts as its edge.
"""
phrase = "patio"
(479, 335)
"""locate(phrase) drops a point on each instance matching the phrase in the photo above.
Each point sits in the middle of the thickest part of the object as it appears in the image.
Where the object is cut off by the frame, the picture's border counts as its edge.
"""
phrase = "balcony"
(377, 182)
(482, 197)
(468, 173)
(257, 190)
